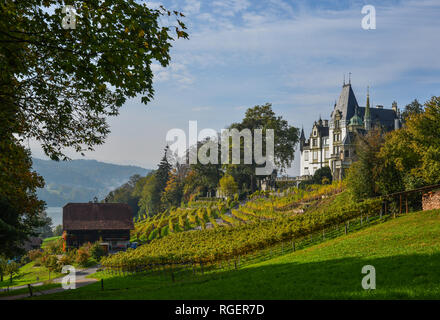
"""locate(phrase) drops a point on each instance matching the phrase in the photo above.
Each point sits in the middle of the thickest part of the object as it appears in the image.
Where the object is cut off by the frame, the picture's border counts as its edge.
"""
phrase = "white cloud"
(230, 7)
(191, 7)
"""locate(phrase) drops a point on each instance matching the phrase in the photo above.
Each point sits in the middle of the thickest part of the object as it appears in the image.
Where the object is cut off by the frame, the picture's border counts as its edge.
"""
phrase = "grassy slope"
(48, 240)
(404, 251)
(28, 274)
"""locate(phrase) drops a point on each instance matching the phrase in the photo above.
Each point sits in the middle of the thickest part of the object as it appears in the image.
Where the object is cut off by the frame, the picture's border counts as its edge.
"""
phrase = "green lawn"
(50, 239)
(404, 251)
(36, 290)
(28, 274)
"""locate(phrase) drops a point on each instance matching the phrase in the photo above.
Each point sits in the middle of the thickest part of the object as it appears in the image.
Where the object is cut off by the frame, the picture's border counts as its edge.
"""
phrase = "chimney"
(396, 124)
(394, 106)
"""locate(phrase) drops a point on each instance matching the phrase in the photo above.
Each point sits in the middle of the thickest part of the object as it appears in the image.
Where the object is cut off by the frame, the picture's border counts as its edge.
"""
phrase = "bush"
(65, 260)
(24, 260)
(96, 251)
(82, 256)
(50, 262)
(54, 246)
(34, 254)
(71, 254)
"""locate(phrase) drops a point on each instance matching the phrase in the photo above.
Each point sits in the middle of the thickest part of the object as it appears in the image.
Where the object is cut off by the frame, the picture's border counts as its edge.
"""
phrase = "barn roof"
(97, 216)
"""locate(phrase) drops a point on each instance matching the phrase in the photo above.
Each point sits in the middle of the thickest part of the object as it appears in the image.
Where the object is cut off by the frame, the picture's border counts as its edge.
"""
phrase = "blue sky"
(293, 54)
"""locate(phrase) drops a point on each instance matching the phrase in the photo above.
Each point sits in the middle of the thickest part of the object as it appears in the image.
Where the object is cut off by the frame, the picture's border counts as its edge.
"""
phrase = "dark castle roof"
(97, 216)
(323, 131)
(347, 103)
(383, 117)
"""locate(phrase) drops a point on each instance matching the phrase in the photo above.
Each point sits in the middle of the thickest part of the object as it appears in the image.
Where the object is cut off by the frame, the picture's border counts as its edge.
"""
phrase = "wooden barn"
(90, 222)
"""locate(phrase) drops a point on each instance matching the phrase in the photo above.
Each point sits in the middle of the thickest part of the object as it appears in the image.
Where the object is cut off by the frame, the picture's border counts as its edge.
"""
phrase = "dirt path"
(81, 281)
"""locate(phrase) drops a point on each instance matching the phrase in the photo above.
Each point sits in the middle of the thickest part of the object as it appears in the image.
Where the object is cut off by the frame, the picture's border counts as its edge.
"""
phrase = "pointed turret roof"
(347, 103)
(367, 115)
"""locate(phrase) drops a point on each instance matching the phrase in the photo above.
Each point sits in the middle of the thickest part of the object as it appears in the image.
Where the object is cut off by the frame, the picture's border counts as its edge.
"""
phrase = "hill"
(80, 180)
(404, 251)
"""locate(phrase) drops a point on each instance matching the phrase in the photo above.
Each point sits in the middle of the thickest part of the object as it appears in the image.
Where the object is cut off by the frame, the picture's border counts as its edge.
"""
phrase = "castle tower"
(302, 140)
(367, 116)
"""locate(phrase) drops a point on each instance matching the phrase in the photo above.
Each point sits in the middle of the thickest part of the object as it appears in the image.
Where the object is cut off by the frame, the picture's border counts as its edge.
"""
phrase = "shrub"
(65, 260)
(96, 251)
(54, 246)
(50, 262)
(24, 260)
(34, 254)
(71, 254)
(82, 256)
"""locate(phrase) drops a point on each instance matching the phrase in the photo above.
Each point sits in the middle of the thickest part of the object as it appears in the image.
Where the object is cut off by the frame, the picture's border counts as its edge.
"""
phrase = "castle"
(332, 143)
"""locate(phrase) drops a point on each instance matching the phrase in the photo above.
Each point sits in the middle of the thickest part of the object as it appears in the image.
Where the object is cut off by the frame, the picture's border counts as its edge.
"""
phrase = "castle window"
(314, 142)
(315, 155)
(327, 154)
(306, 156)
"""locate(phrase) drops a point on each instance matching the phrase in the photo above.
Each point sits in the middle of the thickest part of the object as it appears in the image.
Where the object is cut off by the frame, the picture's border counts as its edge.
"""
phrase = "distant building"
(90, 222)
(331, 143)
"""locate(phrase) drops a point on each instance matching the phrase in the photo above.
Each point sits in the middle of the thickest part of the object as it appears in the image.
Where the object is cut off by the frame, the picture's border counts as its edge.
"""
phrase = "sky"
(293, 54)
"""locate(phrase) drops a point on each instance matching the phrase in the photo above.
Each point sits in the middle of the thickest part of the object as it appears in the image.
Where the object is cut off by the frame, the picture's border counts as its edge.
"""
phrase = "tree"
(3, 266)
(150, 194)
(148, 198)
(412, 109)
(19, 207)
(172, 194)
(285, 140)
(58, 230)
(322, 176)
(363, 174)
(413, 152)
(12, 268)
(59, 86)
(45, 231)
(228, 186)
(205, 177)
(162, 175)
(50, 262)
(126, 194)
